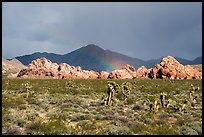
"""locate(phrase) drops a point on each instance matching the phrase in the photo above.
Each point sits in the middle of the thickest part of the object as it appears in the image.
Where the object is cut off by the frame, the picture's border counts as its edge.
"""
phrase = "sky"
(140, 30)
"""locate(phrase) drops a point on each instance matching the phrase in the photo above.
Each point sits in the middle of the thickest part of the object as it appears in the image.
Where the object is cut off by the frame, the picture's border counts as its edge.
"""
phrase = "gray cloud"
(141, 30)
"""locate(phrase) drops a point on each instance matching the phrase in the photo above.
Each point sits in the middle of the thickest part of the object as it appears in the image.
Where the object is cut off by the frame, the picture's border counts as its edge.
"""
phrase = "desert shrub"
(95, 103)
(116, 123)
(197, 113)
(32, 116)
(44, 106)
(34, 127)
(120, 96)
(163, 115)
(22, 106)
(86, 127)
(137, 107)
(115, 130)
(7, 118)
(130, 100)
(109, 117)
(31, 100)
(148, 121)
(136, 127)
(68, 104)
(108, 112)
(191, 129)
(13, 130)
(186, 130)
(98, 117)
(67, 109)
(122, 119)
(20, 122)
(180, 121)
(55, 126)
(80, 116)
(12, 102)
(164, 129)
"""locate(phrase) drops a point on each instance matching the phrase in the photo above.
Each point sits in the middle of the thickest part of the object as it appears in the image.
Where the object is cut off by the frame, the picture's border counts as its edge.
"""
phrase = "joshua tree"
(112, 88)
(156, 108)
(150, 107)
(183, 105)
(168, 103)
(28, 87)
(191, 95)
(47, 90)
(192, 88)
(126, 89)
(162, 99)
(193, 102)
(155, 103)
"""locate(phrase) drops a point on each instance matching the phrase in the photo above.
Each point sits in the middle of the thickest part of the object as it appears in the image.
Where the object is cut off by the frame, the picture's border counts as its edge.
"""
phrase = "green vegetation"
(95, 106)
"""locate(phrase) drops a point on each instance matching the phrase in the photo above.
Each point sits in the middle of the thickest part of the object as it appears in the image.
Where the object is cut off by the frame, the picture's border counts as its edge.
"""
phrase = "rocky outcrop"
(103, 75)
(197, 67)
(44, 68)
(170, 68)
(192, 73)
(142, 72)
(127, 72)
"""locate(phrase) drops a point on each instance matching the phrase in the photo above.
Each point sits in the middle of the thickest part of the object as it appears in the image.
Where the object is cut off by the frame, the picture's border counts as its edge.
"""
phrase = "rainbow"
(68, 39)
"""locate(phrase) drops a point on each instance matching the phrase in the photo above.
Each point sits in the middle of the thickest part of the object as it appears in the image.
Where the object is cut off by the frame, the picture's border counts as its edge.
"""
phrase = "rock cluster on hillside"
(168, 68)
(44, 68)
(127, 72)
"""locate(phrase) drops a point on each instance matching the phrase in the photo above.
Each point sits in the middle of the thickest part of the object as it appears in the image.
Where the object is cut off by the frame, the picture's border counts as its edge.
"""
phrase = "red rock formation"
(103, 75)
(192, 73)
(93, 74)
(120, 74)
(127, 72)
(44, 68)
(170, 68)
(142, 72)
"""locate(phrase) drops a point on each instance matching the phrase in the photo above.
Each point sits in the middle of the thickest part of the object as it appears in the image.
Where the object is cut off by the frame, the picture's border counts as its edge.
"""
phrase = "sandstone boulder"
(120, 74)
(127, 72)
(103, 75)
(40, 63)
(142, 72)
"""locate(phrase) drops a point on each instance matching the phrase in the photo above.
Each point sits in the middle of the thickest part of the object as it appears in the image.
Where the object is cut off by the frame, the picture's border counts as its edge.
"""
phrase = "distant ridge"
(13, 65)
(93, 57)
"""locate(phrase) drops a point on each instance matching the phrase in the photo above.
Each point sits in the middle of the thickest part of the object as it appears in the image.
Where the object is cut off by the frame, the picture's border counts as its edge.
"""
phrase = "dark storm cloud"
(141, 30)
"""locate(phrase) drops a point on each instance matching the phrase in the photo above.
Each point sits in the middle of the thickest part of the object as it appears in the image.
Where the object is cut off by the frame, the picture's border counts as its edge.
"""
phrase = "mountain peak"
(93, 46)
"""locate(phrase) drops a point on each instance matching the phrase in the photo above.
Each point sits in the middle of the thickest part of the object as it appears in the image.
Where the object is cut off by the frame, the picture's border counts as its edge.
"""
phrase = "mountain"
(198, 60)
(93, 57)
(13, 65)
(90, 57)
(26, 59)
